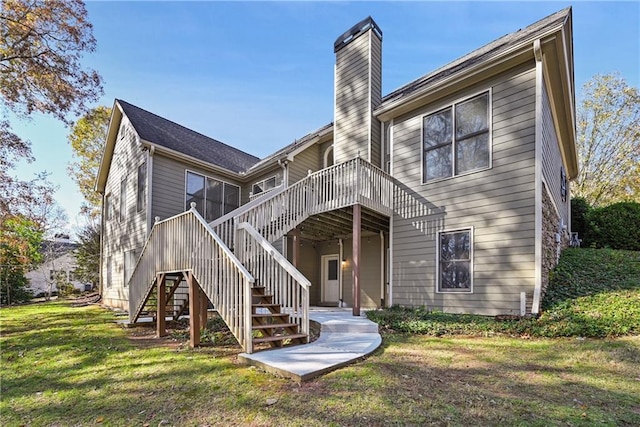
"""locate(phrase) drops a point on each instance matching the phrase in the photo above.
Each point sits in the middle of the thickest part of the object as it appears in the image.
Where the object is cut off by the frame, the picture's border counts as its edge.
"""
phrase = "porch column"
(161, 327)
(296, 246)
(355, 271)
(194, 311)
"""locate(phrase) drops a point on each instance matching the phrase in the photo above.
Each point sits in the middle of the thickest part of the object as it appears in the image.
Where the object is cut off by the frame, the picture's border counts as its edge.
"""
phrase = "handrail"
(273, 252)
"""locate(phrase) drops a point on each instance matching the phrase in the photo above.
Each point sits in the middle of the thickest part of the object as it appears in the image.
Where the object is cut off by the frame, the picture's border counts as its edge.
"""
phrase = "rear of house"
(450, 192)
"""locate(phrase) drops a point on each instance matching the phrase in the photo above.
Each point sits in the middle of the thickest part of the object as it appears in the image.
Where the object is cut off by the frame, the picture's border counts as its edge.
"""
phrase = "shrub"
(615, 226)
(579, 211)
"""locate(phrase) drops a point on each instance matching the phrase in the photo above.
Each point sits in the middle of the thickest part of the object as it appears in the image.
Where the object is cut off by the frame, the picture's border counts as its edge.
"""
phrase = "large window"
(456, 139)
(213, 198)
(455, 269)
(142, 181)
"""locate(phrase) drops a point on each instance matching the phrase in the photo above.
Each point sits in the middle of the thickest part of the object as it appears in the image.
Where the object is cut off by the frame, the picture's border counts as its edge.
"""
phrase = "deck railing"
(185, 242)
(289, 287)
(335, 187)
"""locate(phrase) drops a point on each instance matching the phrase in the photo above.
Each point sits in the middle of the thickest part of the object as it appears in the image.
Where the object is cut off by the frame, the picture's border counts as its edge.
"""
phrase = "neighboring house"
(450, 193)
(59, 266)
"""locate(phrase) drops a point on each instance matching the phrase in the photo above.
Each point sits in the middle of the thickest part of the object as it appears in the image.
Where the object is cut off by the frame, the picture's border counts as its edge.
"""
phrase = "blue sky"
(258, 75)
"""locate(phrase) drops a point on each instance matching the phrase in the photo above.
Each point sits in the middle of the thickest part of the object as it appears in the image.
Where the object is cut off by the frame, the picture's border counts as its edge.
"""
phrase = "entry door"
(330, 278)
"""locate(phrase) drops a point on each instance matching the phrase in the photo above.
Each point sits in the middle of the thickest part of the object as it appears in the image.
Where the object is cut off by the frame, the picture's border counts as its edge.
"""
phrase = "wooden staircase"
(274, 326)
(177, 298)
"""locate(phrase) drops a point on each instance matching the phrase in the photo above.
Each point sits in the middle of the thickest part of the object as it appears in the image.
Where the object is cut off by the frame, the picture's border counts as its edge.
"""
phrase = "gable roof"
(160, 131)
(478, 56)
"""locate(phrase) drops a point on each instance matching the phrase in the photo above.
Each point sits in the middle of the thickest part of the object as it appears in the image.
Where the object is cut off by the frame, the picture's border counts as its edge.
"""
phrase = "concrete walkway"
(343, 339)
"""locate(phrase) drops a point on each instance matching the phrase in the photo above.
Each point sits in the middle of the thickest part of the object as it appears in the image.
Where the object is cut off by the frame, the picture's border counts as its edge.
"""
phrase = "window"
(264, 185)
(107, 207)
(123, 200)
(72, 276)
(455, 270)
(456, 139)
(213, 198)
(142, 181)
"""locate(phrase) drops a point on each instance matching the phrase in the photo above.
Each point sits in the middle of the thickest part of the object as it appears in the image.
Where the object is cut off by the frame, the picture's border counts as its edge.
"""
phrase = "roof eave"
(517, 54)
(110, 143)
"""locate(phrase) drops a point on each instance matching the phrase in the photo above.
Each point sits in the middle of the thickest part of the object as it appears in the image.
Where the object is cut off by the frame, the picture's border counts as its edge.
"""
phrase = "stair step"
(268, 315)
(274, 326)
(279, 338)
(265, 305)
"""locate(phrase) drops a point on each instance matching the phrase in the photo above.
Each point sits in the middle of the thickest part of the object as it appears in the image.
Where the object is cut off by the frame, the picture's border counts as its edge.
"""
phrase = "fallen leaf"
(99, 419)
(272, 401)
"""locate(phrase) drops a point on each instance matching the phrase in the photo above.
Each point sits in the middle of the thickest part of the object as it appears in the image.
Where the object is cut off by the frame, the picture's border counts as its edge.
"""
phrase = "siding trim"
(149, 205)
(537, 290)
(391, 222)
(369, 112)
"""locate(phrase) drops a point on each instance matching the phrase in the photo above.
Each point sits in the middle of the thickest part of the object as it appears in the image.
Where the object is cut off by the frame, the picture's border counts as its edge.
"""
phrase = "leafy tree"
(87, 141)
(608, 142)
(41, 45)
(20, 239)
(616, 226)
(88, 253)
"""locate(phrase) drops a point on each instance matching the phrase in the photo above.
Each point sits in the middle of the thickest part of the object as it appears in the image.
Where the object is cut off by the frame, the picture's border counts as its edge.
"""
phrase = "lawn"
(64, 365)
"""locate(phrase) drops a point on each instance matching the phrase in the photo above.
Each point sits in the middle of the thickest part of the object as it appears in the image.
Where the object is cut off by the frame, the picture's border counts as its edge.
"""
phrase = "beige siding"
(308, 160)
(247, 188)
(497, 203)
(308, 265)
(168, 193)
(129, 234)
(355, 81)
(552, 160)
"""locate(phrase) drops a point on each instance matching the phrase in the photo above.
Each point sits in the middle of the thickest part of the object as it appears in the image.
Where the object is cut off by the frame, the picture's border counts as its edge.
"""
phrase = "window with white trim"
(455, 269)
(141, 188)
(456, 139)
(213, 198)
(264, 185)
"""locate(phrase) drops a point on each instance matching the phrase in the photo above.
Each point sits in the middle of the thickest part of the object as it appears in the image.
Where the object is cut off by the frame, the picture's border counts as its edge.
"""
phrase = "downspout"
(152, 150)
(537, 290)
(382, 263)
(341, 300)
(102, 231)
(283, 163)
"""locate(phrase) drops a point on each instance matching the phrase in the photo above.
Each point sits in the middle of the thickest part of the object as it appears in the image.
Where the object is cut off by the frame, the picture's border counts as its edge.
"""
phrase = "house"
(58, 266)
(451, 192)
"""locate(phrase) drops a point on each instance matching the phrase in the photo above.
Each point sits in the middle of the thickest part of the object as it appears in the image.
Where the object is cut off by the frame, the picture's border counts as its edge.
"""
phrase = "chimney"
(357, 91)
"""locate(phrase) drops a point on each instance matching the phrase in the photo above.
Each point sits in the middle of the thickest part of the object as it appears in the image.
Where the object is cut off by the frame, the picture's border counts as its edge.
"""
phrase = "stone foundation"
(551, 248)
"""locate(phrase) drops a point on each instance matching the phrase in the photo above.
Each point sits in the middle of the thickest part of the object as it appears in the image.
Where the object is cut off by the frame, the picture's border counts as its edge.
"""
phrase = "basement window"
(455, 255)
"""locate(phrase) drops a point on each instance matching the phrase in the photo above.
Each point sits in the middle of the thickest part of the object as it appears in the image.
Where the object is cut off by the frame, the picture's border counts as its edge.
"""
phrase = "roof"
(160, 131)
(283, 152)
(494, 48)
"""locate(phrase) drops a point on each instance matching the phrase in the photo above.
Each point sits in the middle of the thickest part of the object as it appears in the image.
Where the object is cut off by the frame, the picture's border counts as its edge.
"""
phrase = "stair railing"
(185, 242)
(289, 287)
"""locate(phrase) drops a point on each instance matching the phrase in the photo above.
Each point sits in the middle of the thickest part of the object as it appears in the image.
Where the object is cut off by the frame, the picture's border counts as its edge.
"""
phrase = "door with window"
(330, 278)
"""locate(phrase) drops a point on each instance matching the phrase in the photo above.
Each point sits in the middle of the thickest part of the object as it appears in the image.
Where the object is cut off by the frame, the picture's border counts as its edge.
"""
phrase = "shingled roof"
(160, 131)
(479, 55)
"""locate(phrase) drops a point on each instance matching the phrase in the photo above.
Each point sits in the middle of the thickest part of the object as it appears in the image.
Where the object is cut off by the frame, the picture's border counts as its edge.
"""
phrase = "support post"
(194, 311)
(355, 271)
(204, 302)
(161, 311)
(296, 247)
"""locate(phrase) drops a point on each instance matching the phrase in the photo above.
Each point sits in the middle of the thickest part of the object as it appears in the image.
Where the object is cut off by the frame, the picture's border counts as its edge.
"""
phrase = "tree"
(20, 240)
(41, 45)
(88, 252)
(87, 142)
(608, 137)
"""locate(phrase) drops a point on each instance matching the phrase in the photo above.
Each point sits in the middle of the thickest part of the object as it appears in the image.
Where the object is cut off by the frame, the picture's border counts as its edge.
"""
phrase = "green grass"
(593, 293)
(63, 365)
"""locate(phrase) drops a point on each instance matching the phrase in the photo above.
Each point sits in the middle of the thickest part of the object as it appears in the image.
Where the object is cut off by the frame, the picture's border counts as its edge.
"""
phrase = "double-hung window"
(455, 267)
(456, 139)
(142, 180)
(213, 198)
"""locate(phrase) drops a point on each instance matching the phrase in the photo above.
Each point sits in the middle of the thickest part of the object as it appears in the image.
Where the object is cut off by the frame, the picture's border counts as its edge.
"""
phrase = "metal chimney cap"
(353, 32)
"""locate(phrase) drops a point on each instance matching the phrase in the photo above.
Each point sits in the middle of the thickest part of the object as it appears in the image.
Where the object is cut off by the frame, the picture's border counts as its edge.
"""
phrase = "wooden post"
(204, 300)
(296, 247)
(355, 270)
(194, 311)
(161, 327)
